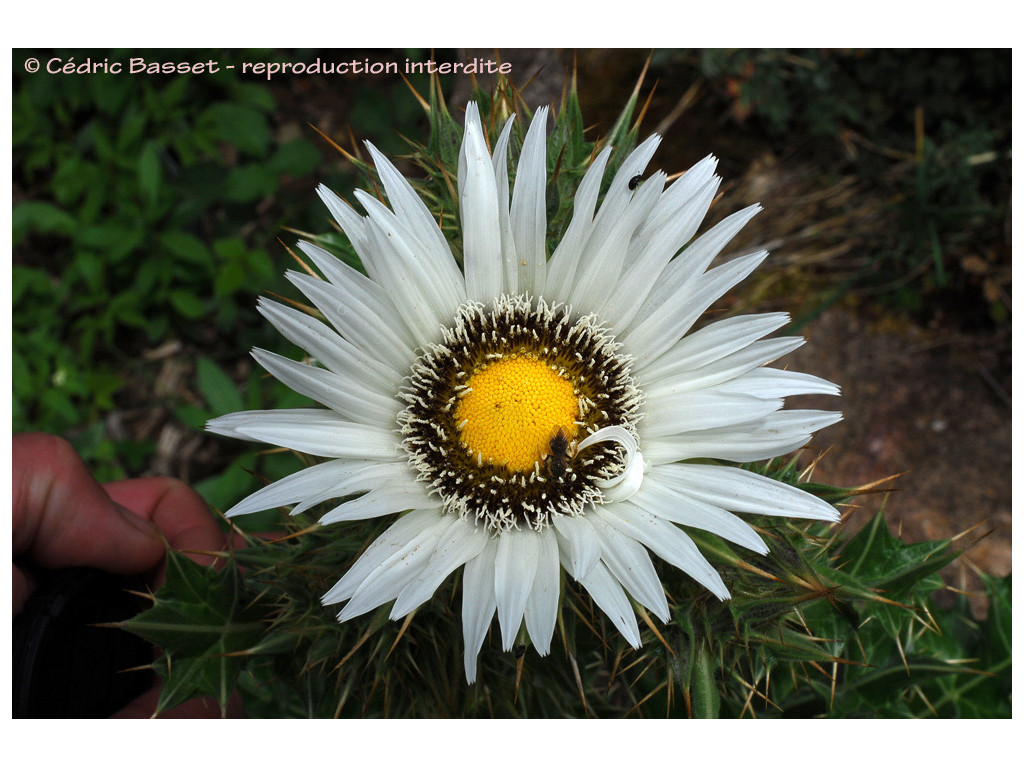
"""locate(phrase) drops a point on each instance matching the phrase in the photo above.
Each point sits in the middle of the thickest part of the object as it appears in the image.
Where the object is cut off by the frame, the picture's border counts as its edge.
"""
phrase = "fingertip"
(181, 514)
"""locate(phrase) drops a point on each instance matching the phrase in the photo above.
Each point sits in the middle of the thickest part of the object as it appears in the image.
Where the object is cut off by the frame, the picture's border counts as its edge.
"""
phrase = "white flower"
(526, 414)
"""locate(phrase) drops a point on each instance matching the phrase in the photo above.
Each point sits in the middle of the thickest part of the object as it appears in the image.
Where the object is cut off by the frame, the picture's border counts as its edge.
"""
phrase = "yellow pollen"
(513, 409)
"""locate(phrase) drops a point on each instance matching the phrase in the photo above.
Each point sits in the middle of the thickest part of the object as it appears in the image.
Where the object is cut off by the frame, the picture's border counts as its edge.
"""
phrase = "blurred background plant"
(147, 211)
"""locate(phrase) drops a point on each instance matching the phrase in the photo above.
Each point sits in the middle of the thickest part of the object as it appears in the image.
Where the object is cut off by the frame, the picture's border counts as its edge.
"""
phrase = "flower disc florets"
(496, 412)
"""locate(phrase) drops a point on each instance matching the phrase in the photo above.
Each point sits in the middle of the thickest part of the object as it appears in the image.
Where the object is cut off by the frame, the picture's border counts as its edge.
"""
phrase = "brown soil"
(926, 406)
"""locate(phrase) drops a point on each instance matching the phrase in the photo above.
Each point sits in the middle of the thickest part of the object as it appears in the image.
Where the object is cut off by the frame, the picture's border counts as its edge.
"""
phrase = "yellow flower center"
(512, 409)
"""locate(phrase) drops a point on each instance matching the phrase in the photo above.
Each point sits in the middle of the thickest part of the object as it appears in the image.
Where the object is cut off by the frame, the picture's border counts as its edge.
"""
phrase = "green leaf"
(248, 183)
(92, 269)
(706, 699)
(230, 278)
(59, 406)
(187, 304)
(186, 247)
(296, 158)
(41, 217)
(114, 238)
(192, 415)
(237, 124)
(998, 624)
(125, 309)
(217, 388)
(21, 375)
(149, 172)
(200, 618)
(28, 282)
(229, 248)
(788, 644)
(254, 94)
(882, 561)
(133, 124)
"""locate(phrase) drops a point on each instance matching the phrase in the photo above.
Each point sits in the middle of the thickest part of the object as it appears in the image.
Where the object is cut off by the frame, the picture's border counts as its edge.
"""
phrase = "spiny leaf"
(879, 559)
(199, 619)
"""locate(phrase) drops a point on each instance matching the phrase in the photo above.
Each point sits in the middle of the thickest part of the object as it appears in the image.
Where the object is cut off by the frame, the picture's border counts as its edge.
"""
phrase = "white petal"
(686, 268)
(726, 368)
(684, 200)
(478, 603)
(462, 542)
(391, 498)
(414, 214)
(472, 120)
(436, 269)
(610, 598)
(662, 498)
(358, 319)
(626, 483)
(339, 392)
(659, 332)
(410, 533)
(775, 435)
(666, 541)
(582, 545)
(514, 568)
(687, 411)
(350, 222)
(316, 482)
(324, 344)
(615, 222)
(508, 244)
(406, 276)
(355, 283)
(529, 207)
(481, 225)
(629, 562)
(564, 261)
(648, 255)
(741, 491)
(605, 251)
(772, 382)
(542, 604)
(619, 193)
(713, 342)
(307, 430)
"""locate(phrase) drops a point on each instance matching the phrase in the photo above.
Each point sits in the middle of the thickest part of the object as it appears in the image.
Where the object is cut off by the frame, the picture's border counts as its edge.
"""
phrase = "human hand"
(63, 518)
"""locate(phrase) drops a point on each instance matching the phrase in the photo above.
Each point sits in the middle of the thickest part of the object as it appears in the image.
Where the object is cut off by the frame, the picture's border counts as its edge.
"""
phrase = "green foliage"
(131, 194)
(200, 619)
(880, 643)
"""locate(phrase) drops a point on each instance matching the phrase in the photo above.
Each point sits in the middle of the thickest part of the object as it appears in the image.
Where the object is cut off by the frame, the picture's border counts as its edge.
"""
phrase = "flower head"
(527, 414)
